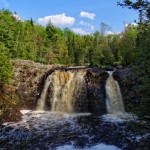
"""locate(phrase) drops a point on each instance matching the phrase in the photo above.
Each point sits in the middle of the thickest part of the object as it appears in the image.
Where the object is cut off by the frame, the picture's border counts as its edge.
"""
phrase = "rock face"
(96, 80)
(27, 75)
(22, 92)
(128, 86)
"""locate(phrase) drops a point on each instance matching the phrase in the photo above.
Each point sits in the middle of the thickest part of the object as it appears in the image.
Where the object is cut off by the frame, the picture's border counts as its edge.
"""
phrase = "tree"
(40, 40)
(5, 65)
(69, 40)
(114, 41)
(7, 27)
(89, 50)
(79, 50)
(142, 53)
(104, 28)
(142, 6)
(128, 44)
(142, 69)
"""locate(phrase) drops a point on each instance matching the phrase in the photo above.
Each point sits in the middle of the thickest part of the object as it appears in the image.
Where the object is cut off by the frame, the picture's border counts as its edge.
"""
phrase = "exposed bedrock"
(128, 85)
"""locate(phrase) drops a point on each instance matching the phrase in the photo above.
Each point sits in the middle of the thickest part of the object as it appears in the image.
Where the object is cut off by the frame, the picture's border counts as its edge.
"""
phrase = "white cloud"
(16, 16)
(134, 24)
(110, 33)
(87, 15)
(58, 20)
(80, 31)
(4, 3)
(86, 24)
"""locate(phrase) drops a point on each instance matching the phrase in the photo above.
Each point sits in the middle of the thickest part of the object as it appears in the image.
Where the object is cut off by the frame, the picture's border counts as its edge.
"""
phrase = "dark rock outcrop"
(96, 80)
(128, 85)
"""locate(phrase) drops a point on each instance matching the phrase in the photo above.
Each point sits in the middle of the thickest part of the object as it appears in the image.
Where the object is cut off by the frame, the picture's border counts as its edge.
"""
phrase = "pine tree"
(142, 69)
(5, 65)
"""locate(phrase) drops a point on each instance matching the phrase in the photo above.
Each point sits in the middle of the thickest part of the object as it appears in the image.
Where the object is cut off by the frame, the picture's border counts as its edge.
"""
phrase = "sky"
(81, 16)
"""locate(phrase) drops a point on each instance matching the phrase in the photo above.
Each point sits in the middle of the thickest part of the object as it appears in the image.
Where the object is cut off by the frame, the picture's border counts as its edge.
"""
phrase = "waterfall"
(61, 88)
(114, 102)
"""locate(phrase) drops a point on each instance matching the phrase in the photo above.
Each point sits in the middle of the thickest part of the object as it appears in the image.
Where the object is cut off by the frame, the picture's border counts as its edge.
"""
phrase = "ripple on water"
(62, 131)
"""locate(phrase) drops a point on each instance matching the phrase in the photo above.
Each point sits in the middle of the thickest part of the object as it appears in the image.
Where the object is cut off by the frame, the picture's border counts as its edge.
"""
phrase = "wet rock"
(96, 80)
(123, 74)
(128, 85)
(27, 75)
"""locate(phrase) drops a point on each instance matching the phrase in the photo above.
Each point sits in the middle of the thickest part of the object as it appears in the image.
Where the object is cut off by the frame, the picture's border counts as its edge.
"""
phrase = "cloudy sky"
(81, 16)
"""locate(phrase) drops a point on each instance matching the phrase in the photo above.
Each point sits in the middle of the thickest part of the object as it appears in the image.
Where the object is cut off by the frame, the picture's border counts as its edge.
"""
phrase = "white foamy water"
(44, 124)
(114, 102)
(96, 147)
(119, 117)
(25, 111)
(64, 131)
(41, 120)
(64, 85)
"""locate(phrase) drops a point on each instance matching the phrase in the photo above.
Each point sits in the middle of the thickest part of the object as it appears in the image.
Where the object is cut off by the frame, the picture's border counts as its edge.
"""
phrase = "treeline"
(51, 45)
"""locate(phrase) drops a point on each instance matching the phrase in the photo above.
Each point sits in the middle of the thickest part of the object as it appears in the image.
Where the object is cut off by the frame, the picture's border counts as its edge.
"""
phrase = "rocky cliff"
(22, 91)
(129, 88)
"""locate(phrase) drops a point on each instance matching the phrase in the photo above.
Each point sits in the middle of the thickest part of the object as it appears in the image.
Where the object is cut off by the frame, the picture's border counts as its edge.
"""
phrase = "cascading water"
(114, 103)
(62, 88)
(64, 91)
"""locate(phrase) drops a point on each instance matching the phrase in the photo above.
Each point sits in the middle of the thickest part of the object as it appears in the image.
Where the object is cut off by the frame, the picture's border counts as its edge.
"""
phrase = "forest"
(51, 45)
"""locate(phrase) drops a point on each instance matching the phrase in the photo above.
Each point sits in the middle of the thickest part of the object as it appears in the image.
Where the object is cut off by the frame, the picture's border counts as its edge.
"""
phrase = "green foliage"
(5, 65)
(142, 69)
(69, 41)
(114, 43)
(51, 45)
(141, 60)
(142, 6)
(128, 44)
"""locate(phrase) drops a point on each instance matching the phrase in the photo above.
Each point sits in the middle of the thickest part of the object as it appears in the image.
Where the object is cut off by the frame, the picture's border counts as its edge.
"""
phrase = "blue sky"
(81, 16)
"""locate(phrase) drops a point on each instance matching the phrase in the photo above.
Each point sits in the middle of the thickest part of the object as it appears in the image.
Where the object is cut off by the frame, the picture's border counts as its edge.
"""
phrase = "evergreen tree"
(141, 67)
(142, 6)
(5, 65)
(69, 40)
(141, 62)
